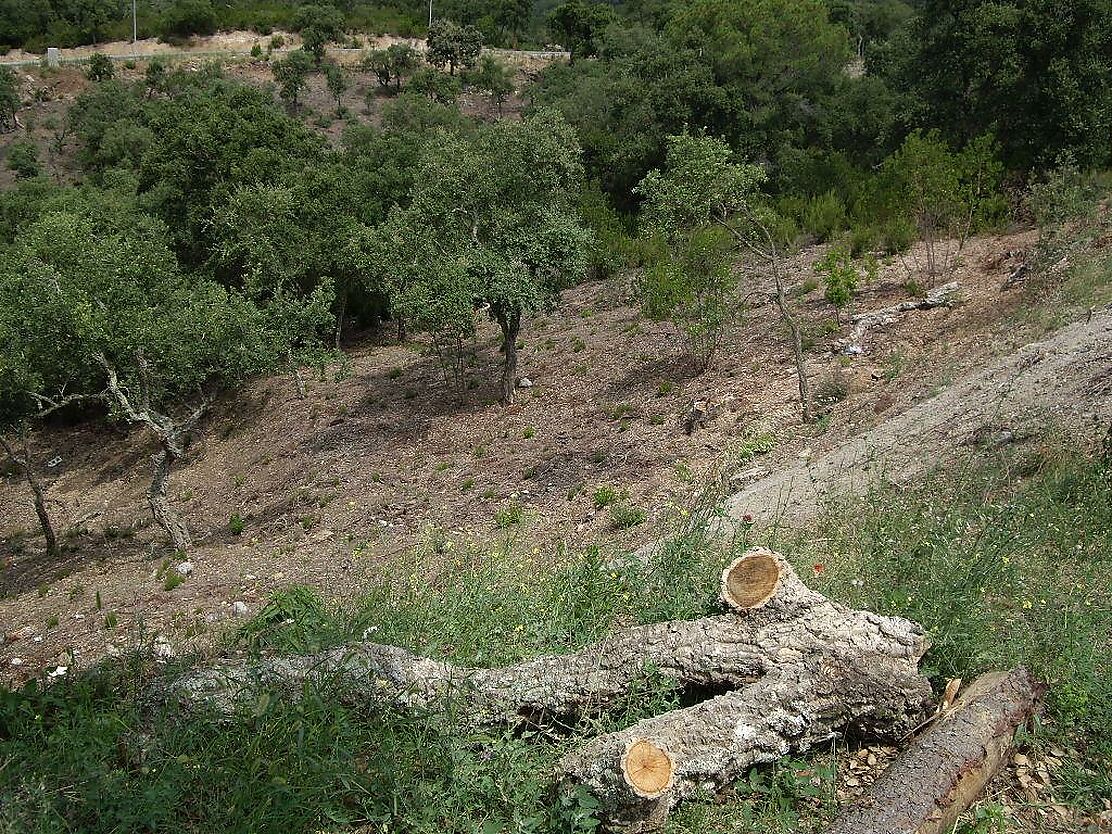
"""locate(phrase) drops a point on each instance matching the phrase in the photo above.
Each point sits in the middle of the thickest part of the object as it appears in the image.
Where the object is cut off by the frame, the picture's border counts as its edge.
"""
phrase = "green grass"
(1006, 564)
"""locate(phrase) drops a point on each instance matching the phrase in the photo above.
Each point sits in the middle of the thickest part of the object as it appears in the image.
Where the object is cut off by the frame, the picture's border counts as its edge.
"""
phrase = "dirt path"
(1063, 382)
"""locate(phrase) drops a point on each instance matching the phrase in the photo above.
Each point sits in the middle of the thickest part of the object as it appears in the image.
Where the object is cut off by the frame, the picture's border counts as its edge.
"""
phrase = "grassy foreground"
(1003, 563)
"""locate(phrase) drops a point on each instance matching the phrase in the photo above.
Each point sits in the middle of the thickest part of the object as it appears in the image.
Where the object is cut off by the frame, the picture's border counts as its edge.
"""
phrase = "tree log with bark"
(792, 668)
(926, 789)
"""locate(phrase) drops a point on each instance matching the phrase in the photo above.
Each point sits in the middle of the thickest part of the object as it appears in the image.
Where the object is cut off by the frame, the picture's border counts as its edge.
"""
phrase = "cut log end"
(750, 580)
(648, 769)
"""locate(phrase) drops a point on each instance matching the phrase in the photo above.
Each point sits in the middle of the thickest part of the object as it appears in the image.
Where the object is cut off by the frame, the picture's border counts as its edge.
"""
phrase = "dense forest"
(185, 232)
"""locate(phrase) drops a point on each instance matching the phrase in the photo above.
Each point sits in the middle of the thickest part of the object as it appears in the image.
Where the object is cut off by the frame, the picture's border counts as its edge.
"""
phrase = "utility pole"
(430, 12)
(134, 25)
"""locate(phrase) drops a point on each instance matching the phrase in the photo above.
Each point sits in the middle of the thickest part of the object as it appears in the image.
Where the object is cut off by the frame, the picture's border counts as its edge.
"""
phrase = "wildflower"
(818, 568)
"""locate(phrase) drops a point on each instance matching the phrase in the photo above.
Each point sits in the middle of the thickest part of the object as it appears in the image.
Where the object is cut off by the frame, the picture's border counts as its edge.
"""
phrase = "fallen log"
(789, 666)
(942, 296)
(927, 788)
(777, 621)
(711, 744)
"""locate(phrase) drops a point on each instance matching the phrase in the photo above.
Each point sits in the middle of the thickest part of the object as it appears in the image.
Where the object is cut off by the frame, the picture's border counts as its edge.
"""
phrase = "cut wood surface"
(942, 773)
(792, 668)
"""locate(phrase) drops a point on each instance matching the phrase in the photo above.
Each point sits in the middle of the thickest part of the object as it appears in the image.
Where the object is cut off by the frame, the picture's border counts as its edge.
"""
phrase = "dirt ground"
(384, 458)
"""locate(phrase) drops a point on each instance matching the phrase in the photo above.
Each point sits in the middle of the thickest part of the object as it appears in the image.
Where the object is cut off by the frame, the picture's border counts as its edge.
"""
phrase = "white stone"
(240, 609)
(185, 568)
(525, 382)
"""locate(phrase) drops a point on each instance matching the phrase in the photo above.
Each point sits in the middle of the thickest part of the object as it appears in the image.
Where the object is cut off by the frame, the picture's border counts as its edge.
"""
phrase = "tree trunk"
(163, 513)
(296, 371)
(792, 668)
(37, 492)
(511, 327)
(797, 348)
(403, 335)
(340, 313)
(926, 789)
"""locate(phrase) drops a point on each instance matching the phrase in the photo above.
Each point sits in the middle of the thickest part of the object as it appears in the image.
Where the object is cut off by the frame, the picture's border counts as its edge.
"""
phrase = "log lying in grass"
(711, 744)
(793, 668)
(779, 621)
(926, 789)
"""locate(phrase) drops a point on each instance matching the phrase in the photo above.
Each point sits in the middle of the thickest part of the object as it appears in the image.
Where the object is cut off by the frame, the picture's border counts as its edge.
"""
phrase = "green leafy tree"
(207, 140)
(40, 374)
(512, 18)
(691, 284)
(91, 17)
(497, 209)
(1036, 74)
(435, 86)
(100, 67)
(9, 99)
(625, 104)
(453, 46)
(700, 186)
(319, 26)
(947, 194)
(292, 74)
(337, 80)
(377, 62)
(186, 18)
(404, 61)
(428, 293)
(23, 159)
(493, 77)
(163, 344)
(778, 63)
(392, 64)
(578, 25)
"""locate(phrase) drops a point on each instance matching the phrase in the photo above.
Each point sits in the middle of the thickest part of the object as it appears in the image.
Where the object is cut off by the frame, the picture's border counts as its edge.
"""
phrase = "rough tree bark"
(172, 433)
(510, 322)
(161, 509)
(926, 789)
(26, 466)
(792, 666)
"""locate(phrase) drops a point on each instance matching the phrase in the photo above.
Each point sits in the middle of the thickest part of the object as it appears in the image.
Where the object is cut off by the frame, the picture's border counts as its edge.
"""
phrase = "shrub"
(606, 496)
(100, 67)
(862, 239)
(236, 524)
(23, 159)
(624, 515)
(509, 515)
(186, 18)
(832, 388)
(840, 276)
(693, 286)
(824, 216)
